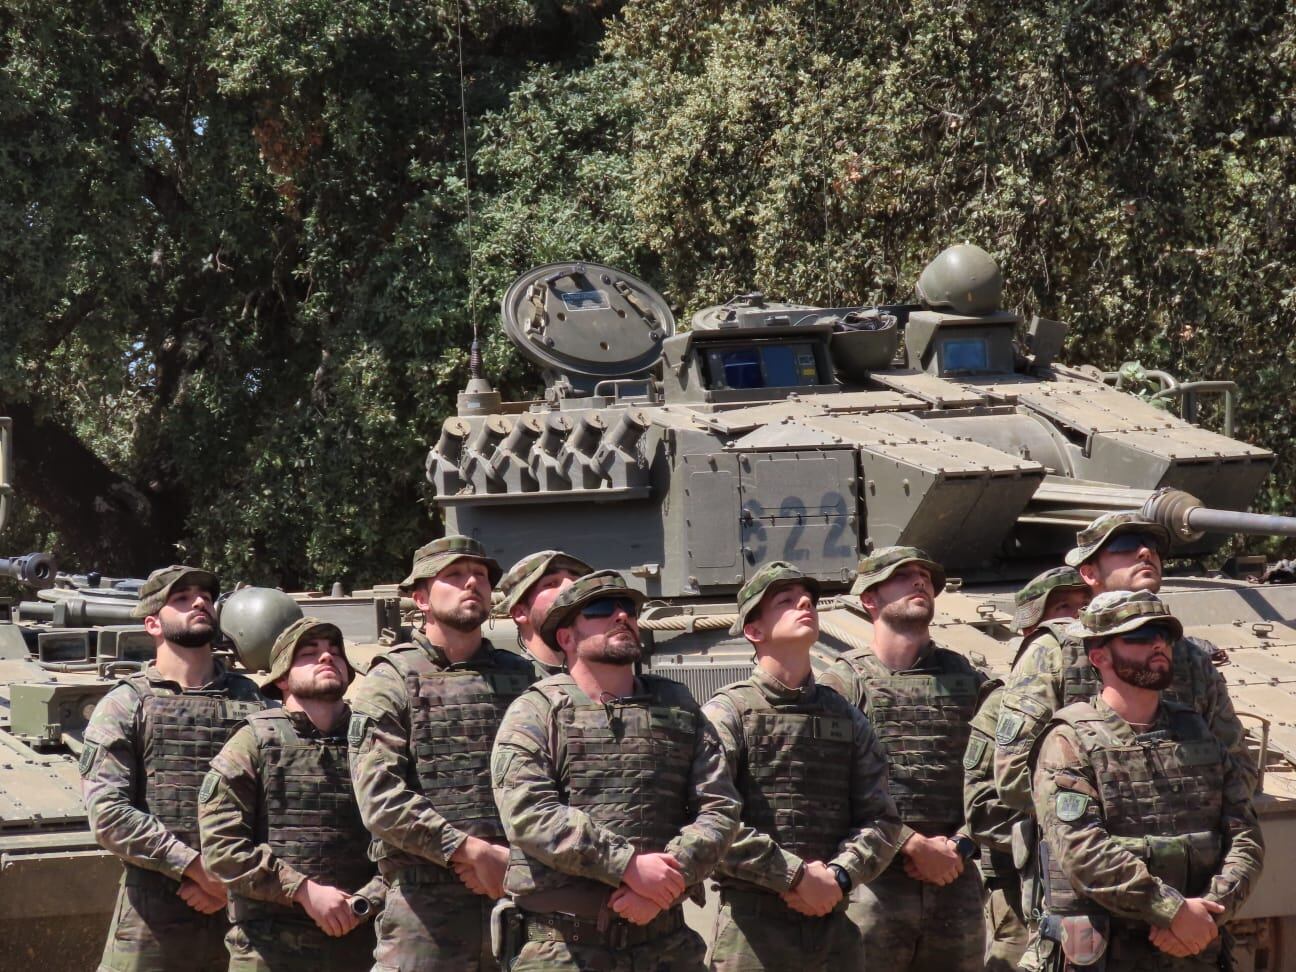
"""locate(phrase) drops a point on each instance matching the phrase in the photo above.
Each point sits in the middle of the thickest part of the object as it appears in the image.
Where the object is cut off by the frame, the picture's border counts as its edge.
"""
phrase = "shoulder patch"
(209, 784)
(357, 729)
(976, 751)
(1008, 728)
(89, 753)
(1071, 806)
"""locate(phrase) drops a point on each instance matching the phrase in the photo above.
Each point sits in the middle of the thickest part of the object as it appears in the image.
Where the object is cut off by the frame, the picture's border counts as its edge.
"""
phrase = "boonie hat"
(528, 571)
(1091, 539)
(432, 558)
(1031, 600)
(777, 573)
(286, 645)
(881, 564)
(155, 591)
(591, 587)
(1119, 612)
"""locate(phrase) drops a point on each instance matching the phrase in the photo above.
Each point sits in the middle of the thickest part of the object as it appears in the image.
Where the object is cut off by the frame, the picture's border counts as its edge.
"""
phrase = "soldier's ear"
(566, 639)
(153, 625)
(1089, 573)
(519, 613)
(754, 632)
(419, 595)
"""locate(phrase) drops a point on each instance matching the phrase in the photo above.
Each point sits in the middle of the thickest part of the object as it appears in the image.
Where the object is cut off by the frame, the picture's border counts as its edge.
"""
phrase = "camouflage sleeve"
(227, 808)
(109, 782)
(379, 744)
(989, 820)
(1220, 715)
(1032, 694)
(840, 677)
(1243, 842)
(1071, 823)
(525, 778)
(876, 830)
(714, 805)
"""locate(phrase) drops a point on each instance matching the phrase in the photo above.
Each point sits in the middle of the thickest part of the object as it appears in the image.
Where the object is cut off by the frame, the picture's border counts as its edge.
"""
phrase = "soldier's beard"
(465, 617)
(908, 617)
(311, 689)
(619, 648)
(191, 634)
(1138, 673)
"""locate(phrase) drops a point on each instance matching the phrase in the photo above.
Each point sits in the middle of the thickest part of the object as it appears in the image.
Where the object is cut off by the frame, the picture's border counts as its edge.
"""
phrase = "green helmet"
(964, 278)
(252, 618)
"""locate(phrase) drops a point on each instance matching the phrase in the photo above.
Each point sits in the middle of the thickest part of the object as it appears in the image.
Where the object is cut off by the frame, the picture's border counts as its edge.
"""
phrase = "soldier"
(614, 796)
(421, 730)
(1047, 603)
(147, 747)
(1150, 838)
(527, 590)
(1117, 552)
(817, 818)
(923, 912)
(280, 824)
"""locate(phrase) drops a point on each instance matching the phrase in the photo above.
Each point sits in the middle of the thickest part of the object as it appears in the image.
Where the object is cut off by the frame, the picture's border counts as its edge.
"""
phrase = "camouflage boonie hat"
(1091, 539)
(591, 587)
(777, 573)
(432, 558)
(881, 564)
(528, 571)
(1031, 600)
(155, 591)
(286, 645)
(1118, 612)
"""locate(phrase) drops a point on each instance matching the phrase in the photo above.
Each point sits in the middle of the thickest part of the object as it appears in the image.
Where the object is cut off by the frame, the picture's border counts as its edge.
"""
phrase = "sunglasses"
(1129, 542)
(1148, 634)
(605, 607)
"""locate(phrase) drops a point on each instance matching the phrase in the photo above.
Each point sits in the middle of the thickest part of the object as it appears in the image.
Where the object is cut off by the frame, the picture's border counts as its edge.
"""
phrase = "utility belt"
(400, 872)
(770, 905)
(607, 931)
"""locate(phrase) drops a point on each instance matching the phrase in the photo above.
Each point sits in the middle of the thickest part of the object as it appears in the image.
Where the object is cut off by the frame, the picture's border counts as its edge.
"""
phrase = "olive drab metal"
(252, 618)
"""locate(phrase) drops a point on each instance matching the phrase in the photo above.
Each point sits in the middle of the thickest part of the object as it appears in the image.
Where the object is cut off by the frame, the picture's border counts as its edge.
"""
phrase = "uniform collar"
(775, 691)
(220, 675)
(481, 656)
(302, 723)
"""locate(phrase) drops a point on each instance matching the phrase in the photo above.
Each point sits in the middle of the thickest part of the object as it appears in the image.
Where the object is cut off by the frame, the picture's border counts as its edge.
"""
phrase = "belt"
(615, 934)
(416, 873)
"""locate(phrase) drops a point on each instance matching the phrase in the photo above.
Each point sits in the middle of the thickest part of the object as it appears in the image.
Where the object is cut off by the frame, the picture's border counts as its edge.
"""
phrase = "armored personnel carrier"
(814, 434)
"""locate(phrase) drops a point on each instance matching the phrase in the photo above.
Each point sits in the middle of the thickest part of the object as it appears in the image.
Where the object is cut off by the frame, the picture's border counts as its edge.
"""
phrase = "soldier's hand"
(634, 908)
(211, 885)
(1194, 923)
(196, 897)
(817, 893)
(656, 877)
(480, 865)
(932, 860)
(329, 907)
(1165, 940)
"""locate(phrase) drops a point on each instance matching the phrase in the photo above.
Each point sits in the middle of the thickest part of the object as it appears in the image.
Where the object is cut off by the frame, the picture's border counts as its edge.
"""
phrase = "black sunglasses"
(1147, 634)
(605, 607)
(1127, 542)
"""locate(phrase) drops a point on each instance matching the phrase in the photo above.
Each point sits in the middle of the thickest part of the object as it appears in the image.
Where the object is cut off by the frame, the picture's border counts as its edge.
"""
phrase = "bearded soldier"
(1150, 838)
(923, 912)
(421, 731)
(280, 824)
(526, 592)
(614, 795)
(1046, 605)
(147, 748)
(817, 818)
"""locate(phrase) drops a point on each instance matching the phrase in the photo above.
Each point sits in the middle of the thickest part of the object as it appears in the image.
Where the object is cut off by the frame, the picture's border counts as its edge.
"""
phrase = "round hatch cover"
(587, 321)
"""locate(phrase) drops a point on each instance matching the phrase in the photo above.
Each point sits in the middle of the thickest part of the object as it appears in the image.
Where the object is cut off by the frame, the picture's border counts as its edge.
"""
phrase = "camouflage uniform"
(582, 786)
(517, 583)
(276, 809)
(148, 746)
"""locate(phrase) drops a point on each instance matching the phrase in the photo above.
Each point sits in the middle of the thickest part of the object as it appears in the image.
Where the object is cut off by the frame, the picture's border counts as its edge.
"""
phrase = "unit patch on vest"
(1009, 725)
(87, 759)
(1071, 806)
(357, 729)
(209, 784)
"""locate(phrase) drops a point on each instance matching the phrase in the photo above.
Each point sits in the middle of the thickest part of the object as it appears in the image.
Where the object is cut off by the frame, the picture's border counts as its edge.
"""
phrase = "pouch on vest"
(506, 932)
(1084, 939)
(1024, 840)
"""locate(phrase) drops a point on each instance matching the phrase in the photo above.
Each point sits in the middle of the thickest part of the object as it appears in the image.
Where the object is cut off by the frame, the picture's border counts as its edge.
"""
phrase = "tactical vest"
(454, 714)
(180, 735)
(1056, 629)
(626, 764)
(1162, 799)
(923, 719)
(308, 813)
(1081, 681)
(795, 782)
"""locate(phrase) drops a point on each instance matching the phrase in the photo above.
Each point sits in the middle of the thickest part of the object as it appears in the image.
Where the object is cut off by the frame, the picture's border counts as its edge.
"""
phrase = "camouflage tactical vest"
(180, 735)
(308, 815)
(1081, 682)
(625, 763)
(454, 714)
(795, 782)
(1162, 798)
(1055, 629)
(923, 719)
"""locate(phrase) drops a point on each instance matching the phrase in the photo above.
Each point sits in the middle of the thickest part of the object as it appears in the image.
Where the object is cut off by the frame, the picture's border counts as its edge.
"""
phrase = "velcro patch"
(1008, 727)
(976, 750)
(357, 729)
(1071, 806)
(88, 754)
(209, 784)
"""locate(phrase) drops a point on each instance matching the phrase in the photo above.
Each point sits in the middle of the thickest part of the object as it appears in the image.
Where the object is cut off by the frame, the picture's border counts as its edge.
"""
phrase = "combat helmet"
(252, 618)
(964, 278)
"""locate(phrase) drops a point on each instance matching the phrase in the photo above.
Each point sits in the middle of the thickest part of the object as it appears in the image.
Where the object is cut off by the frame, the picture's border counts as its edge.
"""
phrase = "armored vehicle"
(814, 434)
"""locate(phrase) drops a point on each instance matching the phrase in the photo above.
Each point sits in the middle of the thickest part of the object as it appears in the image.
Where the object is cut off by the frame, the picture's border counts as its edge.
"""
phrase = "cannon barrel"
(35, 570)
(78, 612)
(1187, 520)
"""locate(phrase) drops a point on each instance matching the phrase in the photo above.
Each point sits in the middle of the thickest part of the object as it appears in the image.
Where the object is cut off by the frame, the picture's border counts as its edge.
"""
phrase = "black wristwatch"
(843, 879)
(967, 847)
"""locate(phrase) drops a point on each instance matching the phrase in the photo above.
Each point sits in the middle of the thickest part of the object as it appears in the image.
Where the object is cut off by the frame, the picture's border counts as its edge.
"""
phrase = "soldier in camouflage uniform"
(1118, 551)
(280, 824)
(614, 796)
(924, 911)
(1053, 598)
(1150, 838)
(421, 730)
(817, 818)
(526, 592)
(147, 748)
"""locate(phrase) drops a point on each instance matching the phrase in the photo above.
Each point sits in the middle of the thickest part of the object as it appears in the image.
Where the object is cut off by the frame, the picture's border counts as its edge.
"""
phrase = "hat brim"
(740, 621)
(864, 581)
(1079, 555)
(1091, 638)
(558, 619)
(434, 565)
(277, 672)
(190, 578)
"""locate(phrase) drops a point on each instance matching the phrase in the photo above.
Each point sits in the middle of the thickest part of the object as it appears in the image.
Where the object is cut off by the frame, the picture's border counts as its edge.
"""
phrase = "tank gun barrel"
(35, 570)
(1187, 520)
(78, 612)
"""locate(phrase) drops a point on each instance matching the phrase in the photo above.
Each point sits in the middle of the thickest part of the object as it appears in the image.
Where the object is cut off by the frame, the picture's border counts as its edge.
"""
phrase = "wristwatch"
(843, 879)
(966, 846)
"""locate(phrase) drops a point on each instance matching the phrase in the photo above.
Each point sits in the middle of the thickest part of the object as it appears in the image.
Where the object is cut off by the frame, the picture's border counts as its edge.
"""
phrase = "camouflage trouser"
(154, 931)
(909, 925)
(285, 946)
(433, 928)
(1006, 935)
(758, 932)
(680, 951)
